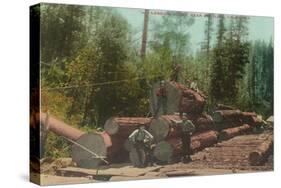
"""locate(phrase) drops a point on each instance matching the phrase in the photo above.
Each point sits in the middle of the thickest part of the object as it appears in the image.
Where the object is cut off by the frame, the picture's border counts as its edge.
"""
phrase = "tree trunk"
(166, 126)
(224, 107)
(171, 148)
(124, 126)
(260, 155)
(232, 132)
(180, 99)
(59, 127)
(227, 115)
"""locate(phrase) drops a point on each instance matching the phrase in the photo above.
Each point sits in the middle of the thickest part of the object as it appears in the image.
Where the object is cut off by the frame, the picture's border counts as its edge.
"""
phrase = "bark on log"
(232, 132)
(124, 126)
(203, 123)
(165, 127)
(179, 99)
(224, 107)
(59, 127)
(220, 116)
(167, 150)
(254, 121)
(205, 139)
(117, 152)
(260, 155)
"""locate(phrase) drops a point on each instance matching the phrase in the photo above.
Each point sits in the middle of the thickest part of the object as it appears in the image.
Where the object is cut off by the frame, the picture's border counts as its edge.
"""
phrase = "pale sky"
(260, 28)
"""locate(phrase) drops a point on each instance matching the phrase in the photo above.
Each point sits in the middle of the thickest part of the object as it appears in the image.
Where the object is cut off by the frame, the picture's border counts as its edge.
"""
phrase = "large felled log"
(260, 155)
(179, 99)
(205, 139)
(172, 148)
(224, 107)
(232, 132)
(254, 121)
(220, 116)
(167, 126)
(93, 142)
(117, 152)
(87, 149)
(203, 123)
(124, 126)
(59, 127)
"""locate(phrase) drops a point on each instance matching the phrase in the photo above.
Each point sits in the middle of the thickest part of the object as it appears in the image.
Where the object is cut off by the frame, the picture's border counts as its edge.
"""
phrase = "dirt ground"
(226, 157)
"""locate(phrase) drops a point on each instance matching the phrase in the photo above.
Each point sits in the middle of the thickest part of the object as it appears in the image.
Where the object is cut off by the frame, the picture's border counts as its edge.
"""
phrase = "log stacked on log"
(124, 126)
(224, 107)
(262, 152)
(166, 126)
(232, 132)
(233, 118)
(170, 149)
(119, 129)
(179, 99)
(227, 116)
(190, 102)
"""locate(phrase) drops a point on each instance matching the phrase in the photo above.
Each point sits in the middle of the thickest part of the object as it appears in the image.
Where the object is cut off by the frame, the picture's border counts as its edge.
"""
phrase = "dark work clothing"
(186, 141)
(140, 145)
(161, 92)
(162, 100)
(187, 129)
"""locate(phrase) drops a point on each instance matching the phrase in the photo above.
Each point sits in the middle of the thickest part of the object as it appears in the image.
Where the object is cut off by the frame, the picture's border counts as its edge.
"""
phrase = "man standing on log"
(161, 99)
(187, 128)
(141, 139)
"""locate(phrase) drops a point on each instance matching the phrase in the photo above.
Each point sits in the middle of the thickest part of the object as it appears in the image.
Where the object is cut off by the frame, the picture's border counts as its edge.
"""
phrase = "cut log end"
(111, 126)
(254, 158)
(159, 128)
(163, 151)
(93, 142)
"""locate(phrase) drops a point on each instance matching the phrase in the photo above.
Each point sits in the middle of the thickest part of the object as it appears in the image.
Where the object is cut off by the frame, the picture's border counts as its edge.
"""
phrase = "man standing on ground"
(187, 128)
(142, 140)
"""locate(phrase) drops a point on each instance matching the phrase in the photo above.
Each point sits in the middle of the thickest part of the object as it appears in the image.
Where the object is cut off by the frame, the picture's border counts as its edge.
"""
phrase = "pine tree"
(217, 68)
(208, 34)
(237, 49)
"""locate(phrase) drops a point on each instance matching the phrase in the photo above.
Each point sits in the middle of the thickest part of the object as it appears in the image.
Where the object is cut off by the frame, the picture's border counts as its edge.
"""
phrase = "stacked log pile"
(233, 118)
(225, 123)
(170, 149)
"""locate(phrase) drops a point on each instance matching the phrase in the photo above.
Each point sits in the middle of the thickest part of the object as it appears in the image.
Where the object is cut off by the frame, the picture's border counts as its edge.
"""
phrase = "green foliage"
(231, 54)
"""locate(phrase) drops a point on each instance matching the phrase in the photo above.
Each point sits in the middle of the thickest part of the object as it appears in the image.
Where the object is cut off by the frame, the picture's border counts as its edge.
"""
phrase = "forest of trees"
(91, 69)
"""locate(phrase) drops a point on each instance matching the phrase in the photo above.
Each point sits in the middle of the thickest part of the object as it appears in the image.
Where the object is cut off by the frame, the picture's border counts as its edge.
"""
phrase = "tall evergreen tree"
(208, 33)
(217, 68)
(237, 48)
